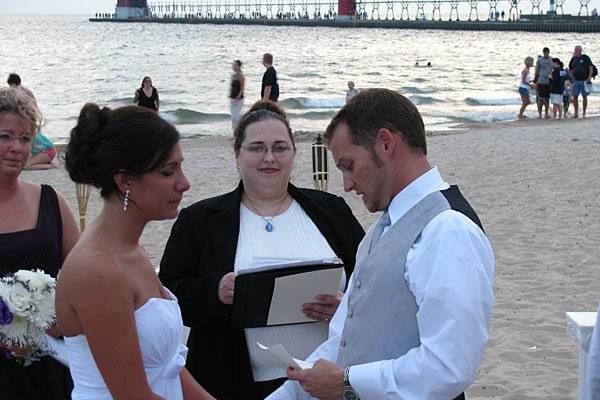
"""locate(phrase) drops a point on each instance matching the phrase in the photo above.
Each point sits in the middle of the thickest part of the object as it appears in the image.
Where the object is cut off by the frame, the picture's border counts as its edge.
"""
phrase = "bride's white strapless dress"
(160, 330)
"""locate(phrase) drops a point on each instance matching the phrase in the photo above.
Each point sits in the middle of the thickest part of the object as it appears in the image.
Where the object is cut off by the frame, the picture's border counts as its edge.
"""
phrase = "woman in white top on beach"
(122, 328)
(265, 216)
(525, 83)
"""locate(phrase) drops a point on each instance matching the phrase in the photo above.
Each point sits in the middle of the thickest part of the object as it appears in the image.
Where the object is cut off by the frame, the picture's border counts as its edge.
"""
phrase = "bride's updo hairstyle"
(133, 140)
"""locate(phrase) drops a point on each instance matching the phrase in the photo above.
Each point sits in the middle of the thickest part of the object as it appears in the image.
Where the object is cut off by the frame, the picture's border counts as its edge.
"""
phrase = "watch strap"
(347, 377)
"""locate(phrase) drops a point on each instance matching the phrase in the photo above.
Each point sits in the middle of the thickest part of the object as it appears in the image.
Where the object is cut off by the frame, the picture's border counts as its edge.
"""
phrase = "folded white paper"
(292, 291)
(280, 352)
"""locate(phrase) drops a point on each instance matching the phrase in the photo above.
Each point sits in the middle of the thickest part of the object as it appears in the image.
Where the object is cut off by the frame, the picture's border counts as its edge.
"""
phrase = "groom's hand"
(324, 381)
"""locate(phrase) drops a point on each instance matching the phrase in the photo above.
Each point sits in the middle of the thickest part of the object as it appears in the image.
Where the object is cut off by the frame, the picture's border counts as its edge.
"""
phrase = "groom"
(415, 319)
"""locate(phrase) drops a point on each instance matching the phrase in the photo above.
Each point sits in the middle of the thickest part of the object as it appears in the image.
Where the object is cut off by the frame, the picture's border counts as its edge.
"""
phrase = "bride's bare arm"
(103, 300)
(192, 389)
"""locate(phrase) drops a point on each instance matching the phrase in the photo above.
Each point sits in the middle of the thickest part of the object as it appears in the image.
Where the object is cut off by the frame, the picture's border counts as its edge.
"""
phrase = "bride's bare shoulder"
(87, 270)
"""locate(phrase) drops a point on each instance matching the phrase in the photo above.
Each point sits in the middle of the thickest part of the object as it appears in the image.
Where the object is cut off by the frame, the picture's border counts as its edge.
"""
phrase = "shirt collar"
(431, 181)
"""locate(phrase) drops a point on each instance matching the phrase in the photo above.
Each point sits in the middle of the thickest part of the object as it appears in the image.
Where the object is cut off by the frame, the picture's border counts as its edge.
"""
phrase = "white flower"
(18, 299)
(36, 280)
(30, 297)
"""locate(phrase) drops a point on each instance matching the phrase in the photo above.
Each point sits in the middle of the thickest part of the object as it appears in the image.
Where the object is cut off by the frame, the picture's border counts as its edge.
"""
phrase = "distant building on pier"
(131, 9)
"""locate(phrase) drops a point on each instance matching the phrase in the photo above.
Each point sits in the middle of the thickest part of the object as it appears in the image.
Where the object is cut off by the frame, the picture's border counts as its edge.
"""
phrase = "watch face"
(349, 394)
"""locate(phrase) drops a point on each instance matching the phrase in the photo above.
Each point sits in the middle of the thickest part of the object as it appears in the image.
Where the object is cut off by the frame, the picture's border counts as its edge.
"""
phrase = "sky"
(89, 7)
(48, 7)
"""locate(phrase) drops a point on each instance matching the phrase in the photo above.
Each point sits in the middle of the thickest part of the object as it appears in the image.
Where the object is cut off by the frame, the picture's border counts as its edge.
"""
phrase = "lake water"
(68, 61)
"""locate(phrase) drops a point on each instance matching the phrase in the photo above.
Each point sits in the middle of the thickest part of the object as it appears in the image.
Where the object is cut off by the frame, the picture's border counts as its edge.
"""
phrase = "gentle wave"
(424, 100)
(305, 75)
(184, 116)
(313, 115)
(492, 75)
(472, 101)
(486, 117)
(417, 90)
(128, 101)
(308, 103)
(122, 100)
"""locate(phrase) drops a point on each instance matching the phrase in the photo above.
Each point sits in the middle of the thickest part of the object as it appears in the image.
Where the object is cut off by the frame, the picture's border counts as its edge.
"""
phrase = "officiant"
(415, 319)
(265, 216)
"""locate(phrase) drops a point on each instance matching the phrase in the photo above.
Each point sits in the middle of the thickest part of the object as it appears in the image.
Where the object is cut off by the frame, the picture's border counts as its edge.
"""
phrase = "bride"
(122, 328)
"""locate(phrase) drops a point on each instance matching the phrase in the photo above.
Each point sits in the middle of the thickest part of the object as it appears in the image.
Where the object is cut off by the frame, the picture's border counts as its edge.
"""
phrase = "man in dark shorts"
(582, 70)
(543, 70)
(270, 87)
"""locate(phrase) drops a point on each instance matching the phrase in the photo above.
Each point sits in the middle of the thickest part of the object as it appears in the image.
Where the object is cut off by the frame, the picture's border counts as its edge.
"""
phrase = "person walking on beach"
(147, 95)
(236, 92)
(14, 81)
(415, 319)
(524, 85)
(582, 72)
(270, 86)
(557, 87)
(351, 92)
(543, 70)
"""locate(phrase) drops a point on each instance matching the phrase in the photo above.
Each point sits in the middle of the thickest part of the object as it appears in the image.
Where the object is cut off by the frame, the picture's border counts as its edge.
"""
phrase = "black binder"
(254, 291)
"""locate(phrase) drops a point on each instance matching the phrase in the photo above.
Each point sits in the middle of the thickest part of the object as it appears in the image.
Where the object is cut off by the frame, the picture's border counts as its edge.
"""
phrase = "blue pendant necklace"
(268, 225)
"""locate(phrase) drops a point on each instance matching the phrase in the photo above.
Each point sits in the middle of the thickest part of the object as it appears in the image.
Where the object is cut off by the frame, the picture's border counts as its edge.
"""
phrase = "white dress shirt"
(450, 270)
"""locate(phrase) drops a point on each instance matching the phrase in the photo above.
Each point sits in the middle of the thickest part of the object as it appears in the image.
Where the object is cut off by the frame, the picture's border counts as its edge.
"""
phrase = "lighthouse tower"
(131, 9)
(346, 10)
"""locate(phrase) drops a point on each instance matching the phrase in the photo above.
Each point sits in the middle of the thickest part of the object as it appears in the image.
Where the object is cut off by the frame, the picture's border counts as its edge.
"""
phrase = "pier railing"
(402, 10)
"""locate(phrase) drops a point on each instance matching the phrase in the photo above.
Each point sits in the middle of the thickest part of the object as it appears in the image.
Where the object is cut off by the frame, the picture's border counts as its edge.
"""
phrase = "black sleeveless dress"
(41, 248)
(145, 101)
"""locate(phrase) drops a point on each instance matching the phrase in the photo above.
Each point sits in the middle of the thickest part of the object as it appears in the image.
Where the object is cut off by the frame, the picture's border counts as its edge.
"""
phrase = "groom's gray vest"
(381, 322)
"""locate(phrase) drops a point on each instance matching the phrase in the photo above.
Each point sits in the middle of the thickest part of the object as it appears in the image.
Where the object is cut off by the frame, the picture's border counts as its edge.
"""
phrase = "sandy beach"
(535, 187)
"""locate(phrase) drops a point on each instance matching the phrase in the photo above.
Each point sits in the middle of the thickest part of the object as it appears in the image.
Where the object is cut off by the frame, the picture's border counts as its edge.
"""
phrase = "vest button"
(343, 343)
(358, 284)
(350, 313)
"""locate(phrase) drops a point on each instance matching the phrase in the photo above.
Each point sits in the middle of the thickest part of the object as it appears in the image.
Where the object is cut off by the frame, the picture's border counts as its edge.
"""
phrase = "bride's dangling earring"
(126, 200)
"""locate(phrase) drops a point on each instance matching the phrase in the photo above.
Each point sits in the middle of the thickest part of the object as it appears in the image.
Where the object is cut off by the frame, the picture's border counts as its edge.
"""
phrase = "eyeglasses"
(277, 149)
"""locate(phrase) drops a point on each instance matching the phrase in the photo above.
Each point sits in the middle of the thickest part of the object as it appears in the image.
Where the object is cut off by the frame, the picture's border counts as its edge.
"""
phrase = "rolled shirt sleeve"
(450, 271)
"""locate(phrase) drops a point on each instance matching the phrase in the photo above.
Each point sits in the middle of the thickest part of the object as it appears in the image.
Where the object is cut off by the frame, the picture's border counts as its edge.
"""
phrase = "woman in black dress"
(37, 230)
(147, 95)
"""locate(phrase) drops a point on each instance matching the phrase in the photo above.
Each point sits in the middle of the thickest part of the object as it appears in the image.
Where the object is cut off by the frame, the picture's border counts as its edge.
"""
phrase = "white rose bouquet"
(26, 311)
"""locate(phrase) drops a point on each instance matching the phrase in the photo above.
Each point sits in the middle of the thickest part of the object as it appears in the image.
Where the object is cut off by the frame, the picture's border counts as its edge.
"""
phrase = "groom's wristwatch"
(349, 393)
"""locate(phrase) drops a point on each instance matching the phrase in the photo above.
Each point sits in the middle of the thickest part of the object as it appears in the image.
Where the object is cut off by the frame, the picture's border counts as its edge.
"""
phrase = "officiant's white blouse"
(452, 261)
(294, 236)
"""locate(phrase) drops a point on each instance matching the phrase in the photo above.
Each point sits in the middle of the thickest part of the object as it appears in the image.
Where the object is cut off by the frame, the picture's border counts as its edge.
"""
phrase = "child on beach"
(557, 87)
(567, 95)
(524, 85)
(351, 92)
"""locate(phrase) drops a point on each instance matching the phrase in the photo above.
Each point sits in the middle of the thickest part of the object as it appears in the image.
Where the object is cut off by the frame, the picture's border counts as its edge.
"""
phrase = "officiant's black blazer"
(201, 250)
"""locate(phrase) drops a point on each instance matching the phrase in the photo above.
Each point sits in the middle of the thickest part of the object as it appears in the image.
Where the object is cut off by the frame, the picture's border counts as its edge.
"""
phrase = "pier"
(469, 15)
